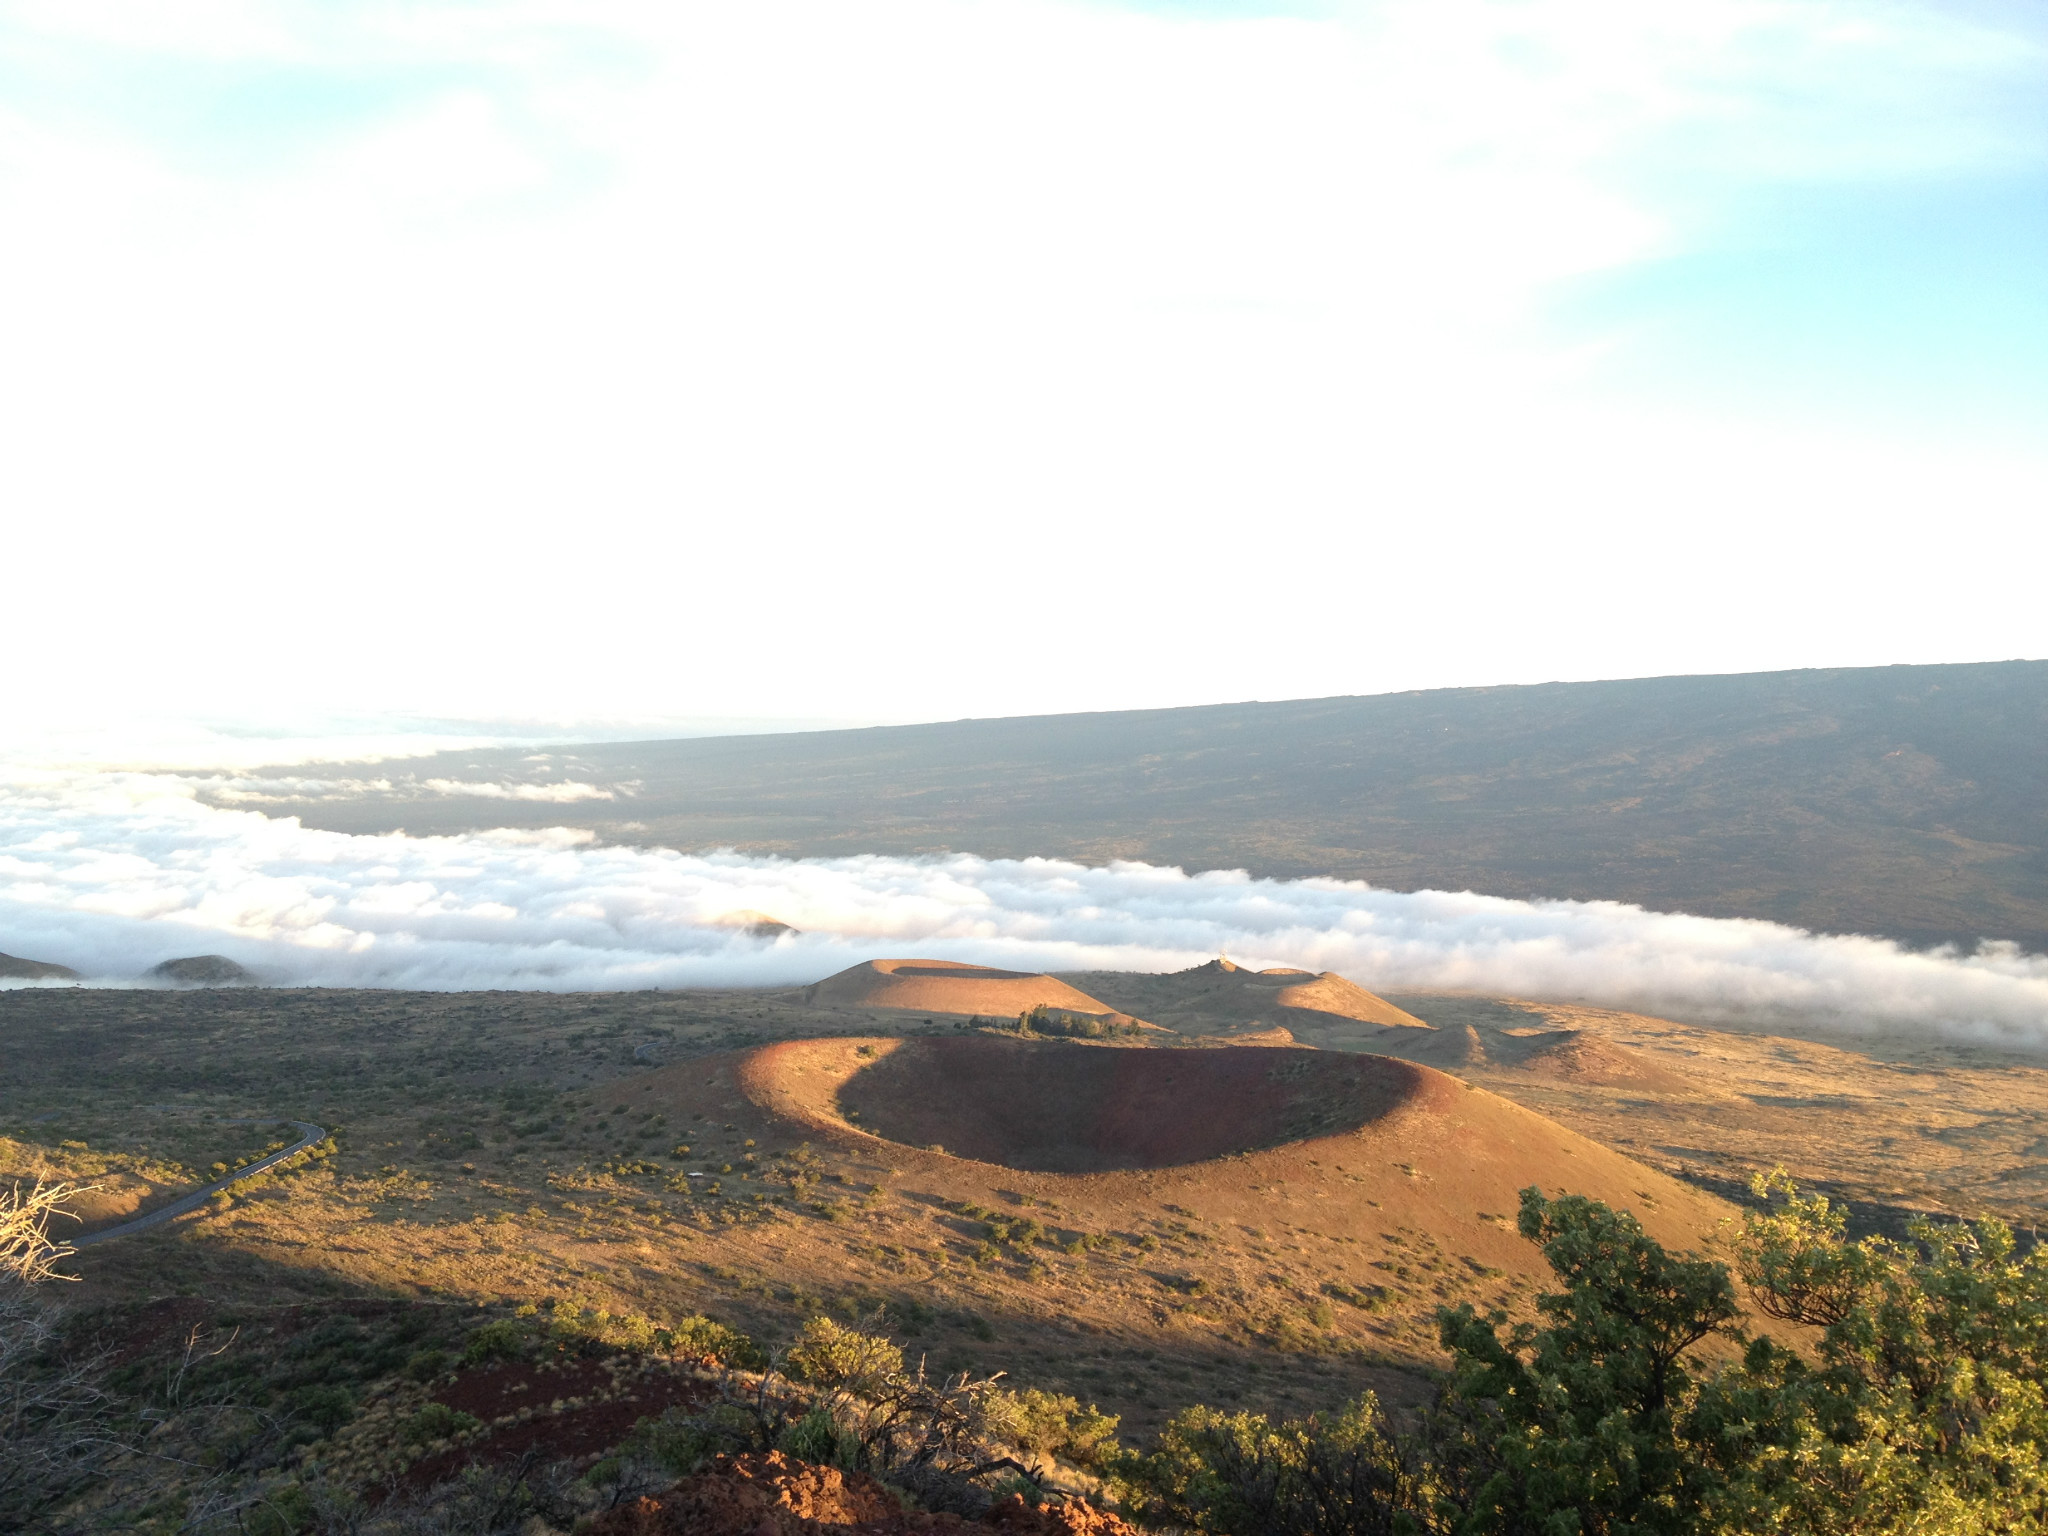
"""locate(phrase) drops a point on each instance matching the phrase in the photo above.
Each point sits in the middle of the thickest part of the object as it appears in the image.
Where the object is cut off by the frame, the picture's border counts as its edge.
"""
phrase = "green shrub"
(437, 1421)
(502, 1339)
(701, 1337)
(284, 1512)
(1920, 1406)
(1049, 1425)
(426, 1364)
(817, 1437)
(326, 1408)
(827, 1354)
(1242, 1474)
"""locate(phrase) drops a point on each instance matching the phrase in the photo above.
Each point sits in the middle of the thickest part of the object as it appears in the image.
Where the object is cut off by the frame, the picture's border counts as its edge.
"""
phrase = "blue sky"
(686, 360)
(1916, 306)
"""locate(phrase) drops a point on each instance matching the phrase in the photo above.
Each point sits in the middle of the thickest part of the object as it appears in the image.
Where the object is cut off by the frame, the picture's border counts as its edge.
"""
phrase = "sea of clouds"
(112, 872)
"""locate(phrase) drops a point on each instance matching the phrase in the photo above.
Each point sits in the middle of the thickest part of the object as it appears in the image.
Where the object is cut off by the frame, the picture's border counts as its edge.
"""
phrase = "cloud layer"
(111, 873)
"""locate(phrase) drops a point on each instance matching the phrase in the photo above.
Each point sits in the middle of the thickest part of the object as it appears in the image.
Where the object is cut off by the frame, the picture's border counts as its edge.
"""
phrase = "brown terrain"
(947, 987)
(1258, 1201)
(1223, 998)
(773, 1495)
(1336, 1144)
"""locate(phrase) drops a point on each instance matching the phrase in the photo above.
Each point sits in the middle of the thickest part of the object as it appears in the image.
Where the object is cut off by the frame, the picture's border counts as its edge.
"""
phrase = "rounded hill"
(14, 968)
(949, 987)
(1220, 983)
(203, 971)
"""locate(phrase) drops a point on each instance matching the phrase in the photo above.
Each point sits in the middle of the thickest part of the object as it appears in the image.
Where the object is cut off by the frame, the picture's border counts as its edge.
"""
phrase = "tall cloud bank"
(110, 873)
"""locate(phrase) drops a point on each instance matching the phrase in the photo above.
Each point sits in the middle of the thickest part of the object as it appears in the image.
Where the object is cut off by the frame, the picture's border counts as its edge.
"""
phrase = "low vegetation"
(1916, 1405)
(1906, 1390)
(453, 1315)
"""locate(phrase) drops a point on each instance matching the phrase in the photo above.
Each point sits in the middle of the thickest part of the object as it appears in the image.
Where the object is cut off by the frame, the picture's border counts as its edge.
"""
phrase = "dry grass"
(480, 1160)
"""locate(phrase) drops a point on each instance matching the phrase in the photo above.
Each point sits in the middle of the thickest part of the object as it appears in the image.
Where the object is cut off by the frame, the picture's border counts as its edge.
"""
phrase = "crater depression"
(1054, 1108)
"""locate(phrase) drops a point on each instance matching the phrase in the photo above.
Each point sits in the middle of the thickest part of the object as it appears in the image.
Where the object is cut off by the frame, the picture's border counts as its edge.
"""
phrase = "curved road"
(313, 1135)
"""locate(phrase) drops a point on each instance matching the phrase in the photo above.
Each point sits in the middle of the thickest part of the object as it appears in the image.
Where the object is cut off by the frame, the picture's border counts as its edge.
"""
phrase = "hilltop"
(14, 968)
(948, 987)
(1222, 998)
(1903, 801)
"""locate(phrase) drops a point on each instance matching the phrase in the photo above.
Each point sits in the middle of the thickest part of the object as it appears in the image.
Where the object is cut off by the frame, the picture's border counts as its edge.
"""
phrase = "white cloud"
(707, 358)
(111, 873)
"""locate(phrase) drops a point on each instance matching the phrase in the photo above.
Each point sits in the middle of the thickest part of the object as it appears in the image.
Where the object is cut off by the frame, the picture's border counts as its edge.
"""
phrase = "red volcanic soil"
(777, 1495)
(1346, 1145)
(600, 1405)
(943, 986)
(1048, 1106)
(1572, 1056)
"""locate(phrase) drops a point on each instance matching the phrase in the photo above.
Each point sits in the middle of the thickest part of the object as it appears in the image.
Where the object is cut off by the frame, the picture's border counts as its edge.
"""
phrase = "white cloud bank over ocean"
(110, 873)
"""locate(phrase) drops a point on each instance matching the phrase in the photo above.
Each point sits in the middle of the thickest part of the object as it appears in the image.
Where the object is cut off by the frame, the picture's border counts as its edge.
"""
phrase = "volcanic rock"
(777, 1495)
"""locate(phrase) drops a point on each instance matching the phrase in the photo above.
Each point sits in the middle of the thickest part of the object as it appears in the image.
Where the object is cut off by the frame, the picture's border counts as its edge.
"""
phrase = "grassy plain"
(477, 1162)
(488, 1154)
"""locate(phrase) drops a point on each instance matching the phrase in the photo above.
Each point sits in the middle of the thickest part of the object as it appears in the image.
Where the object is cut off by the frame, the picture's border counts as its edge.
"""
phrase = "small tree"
(1243, 1475)
(1581, 1431)
(1924, 1405)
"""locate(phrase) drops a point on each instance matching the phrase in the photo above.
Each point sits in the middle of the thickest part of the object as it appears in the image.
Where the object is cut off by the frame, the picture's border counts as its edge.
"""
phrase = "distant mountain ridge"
(1905, 801)
(14, 968)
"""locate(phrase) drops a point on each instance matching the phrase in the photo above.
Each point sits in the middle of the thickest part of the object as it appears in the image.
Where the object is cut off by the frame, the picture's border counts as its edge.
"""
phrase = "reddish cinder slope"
(1344, 1145)
(946, 986)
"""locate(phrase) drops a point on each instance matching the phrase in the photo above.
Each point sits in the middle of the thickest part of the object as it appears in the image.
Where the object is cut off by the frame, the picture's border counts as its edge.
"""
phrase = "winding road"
(312, 1136)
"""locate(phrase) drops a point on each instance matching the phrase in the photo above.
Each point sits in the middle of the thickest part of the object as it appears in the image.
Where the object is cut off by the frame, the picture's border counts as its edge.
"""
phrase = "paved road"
(312, 1135)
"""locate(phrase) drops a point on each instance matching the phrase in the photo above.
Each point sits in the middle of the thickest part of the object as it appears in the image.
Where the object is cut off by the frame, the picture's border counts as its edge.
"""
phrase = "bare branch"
(27, 1251)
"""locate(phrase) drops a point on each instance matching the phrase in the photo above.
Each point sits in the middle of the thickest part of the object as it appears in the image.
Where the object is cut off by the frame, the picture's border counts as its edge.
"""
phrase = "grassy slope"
(1907, 801)
(479, 1160)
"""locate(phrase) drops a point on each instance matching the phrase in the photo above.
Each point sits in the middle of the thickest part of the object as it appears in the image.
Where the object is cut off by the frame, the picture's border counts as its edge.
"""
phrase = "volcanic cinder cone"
(948, 987)
(1344, 1145)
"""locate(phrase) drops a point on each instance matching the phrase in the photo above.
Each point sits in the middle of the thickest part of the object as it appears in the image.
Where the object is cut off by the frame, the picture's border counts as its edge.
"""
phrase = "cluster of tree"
(1914, 1403)
(1042, 1020)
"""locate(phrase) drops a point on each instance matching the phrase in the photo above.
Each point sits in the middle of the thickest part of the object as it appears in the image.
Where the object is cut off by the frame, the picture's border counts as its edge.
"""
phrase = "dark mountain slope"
(1909, 801)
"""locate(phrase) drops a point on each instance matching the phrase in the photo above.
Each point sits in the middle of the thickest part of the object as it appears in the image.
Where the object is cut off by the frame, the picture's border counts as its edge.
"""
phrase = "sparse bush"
(437, 1421)
(502, 1339)
(426, 1364)
(1247, 1476)
(56, 1418)
(1048, 1425)
(285, 1511)
(846, 1359)
(701, 1337)
(935, 1438)
(817, 1437)
(326, 1408)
